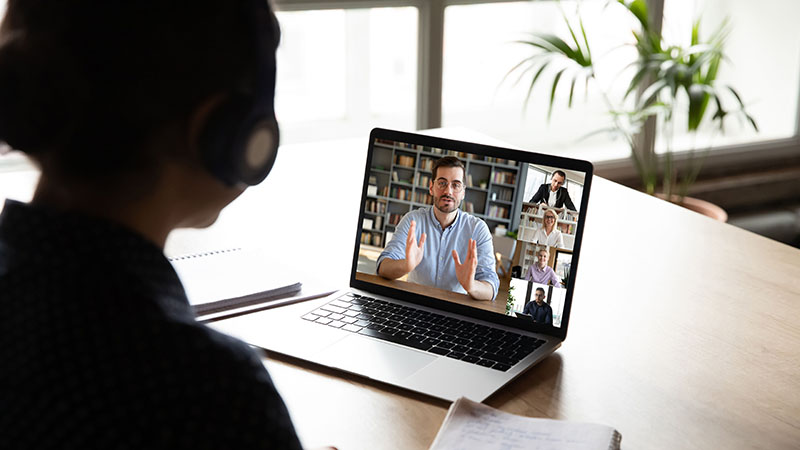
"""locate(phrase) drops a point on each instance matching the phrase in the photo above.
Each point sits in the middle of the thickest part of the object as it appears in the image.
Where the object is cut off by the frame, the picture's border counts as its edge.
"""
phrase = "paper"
(475, 426)
(229, 278)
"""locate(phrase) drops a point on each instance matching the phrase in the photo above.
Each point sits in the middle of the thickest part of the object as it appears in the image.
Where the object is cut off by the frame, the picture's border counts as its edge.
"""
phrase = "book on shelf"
(469, 207)
(366, 223)
(404, 160)
(476, 426)
(226, 279)
(372, 190)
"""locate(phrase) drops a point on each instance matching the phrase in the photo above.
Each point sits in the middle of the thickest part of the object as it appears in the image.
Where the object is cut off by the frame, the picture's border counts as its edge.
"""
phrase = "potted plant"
(668, 79)
(510, 301)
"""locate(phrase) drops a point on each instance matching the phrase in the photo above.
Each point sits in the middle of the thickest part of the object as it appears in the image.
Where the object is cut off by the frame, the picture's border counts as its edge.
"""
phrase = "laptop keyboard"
(424, 330)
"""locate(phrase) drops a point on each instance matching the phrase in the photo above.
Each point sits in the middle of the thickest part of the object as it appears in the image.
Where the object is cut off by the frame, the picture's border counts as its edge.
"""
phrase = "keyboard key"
(460, 348)
(375, 326)
(336, 324)
(362, 323)
(352, 328)
(340, 304)
(475, 352)
(432, 341)
(402, 334)
(485, 363)
(395, 339)
(416, 337)
(334, 309)
(498, 358)
(501, 367)
(470, 359)
(351, 313)
(334, 316)
(323, 320)
(439, 350)
(311, 317)
(322, 313)
(349, 319)
(456, 355)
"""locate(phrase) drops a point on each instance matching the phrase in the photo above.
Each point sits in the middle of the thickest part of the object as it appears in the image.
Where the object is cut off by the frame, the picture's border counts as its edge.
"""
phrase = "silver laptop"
(422, 330)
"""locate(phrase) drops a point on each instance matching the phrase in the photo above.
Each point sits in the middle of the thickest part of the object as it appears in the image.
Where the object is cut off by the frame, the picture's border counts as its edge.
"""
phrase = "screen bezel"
(481, 150)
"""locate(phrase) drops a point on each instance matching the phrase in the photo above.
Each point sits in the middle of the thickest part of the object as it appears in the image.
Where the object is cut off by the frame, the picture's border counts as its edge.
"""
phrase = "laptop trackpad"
(374, 359)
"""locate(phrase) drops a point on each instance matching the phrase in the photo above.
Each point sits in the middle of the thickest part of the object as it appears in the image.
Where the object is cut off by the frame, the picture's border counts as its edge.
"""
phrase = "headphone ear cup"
(237, 146)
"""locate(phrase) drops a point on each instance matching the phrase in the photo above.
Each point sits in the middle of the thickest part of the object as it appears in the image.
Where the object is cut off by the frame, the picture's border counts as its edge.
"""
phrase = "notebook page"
(475, 426)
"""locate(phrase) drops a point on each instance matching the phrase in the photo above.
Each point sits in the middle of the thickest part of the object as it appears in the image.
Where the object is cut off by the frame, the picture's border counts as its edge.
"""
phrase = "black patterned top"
(99, 347)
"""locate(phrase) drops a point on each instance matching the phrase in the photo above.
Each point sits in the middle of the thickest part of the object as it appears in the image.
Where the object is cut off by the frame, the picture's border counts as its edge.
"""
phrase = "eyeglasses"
(549, 218)
(456, 185)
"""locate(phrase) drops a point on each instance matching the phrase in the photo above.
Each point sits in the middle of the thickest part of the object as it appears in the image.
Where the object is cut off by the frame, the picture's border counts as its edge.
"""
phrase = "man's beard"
(446, 209)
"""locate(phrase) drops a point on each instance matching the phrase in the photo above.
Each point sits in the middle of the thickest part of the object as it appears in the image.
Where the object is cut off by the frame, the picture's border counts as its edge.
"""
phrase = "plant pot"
(703, 207)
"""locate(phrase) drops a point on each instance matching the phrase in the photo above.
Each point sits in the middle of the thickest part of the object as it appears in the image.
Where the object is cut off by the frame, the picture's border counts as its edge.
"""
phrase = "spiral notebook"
(476, 426)
(221, 280)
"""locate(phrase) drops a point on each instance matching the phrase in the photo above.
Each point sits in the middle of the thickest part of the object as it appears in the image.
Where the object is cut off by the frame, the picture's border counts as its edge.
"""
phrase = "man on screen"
(554, 194)
(428, 243)
(540, 311)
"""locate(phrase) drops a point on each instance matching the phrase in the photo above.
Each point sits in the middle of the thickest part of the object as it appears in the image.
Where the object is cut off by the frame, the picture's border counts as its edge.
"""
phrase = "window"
(480, 50)
(342, 72)
(762, 48)
(536, 178)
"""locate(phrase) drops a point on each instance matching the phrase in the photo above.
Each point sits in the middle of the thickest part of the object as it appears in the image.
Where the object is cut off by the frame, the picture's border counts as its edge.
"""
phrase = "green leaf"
(585, 41)
(533, 82)
(572, 90)
(556, 79)
(639, 9)
(649, 95)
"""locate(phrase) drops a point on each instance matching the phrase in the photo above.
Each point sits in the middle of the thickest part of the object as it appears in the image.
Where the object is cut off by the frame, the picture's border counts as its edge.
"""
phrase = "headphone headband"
(240, 140)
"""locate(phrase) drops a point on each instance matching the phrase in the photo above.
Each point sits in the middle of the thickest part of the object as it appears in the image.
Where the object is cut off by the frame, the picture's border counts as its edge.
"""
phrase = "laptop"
(430, 336)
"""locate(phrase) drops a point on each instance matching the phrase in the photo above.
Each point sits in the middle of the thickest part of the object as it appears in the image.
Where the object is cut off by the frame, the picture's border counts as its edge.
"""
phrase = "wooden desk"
(498, 306)
(685, 332)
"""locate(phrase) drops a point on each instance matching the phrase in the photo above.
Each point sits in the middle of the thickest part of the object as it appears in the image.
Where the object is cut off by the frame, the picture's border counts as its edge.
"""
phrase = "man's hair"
(85, 87)
(448, 161)
(560, 172)
(541, 289)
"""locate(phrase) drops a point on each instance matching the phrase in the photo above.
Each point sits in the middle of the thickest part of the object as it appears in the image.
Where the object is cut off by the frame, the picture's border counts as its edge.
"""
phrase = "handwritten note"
(475, 426)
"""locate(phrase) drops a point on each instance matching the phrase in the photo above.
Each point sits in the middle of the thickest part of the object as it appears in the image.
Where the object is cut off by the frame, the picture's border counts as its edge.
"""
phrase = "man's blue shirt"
(437, 267)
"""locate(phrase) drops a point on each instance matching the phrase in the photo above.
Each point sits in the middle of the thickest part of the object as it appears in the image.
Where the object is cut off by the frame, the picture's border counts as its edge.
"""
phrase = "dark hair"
(85, 85)
(448, 161)
(560, 172)
(540, 289)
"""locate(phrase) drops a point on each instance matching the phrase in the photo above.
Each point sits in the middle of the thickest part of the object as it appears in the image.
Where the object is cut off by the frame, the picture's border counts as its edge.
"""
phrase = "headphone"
(239, 142)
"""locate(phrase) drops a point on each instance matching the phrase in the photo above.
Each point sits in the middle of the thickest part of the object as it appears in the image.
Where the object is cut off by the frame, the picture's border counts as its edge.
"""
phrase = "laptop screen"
(484, 229)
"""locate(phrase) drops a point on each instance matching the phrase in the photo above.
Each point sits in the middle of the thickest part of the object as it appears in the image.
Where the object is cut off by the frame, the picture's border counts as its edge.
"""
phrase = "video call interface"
(502, 228)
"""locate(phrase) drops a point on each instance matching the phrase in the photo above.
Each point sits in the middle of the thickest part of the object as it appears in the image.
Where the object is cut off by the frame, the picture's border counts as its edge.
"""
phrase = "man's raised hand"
(466, 272)
(414, 251)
